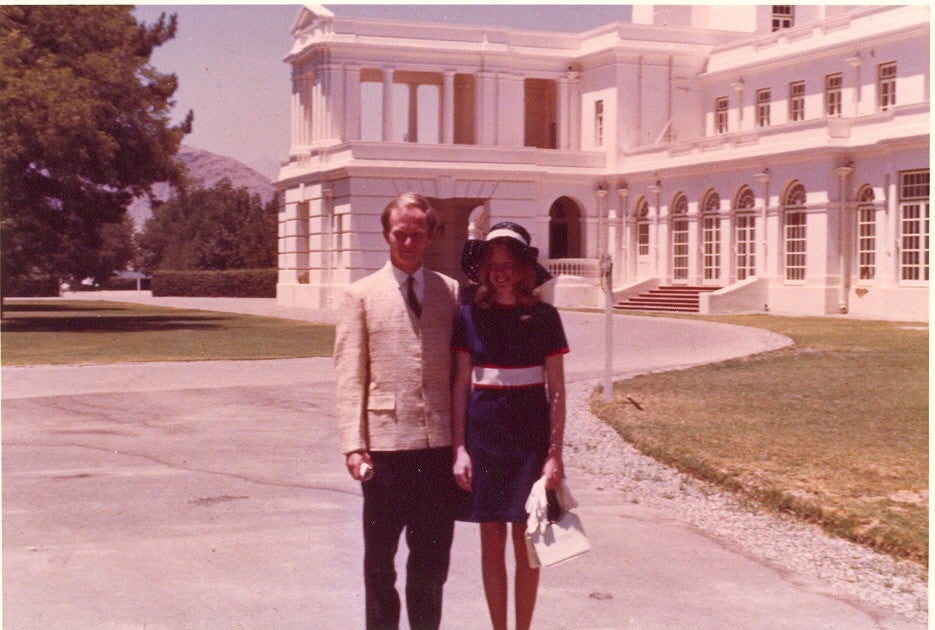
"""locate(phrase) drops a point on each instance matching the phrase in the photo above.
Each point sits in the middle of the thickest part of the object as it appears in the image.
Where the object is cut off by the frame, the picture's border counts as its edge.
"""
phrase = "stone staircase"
(666, 299)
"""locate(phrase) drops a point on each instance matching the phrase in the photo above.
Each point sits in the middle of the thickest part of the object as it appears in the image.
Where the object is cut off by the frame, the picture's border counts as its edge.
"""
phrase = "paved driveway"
(212, 495)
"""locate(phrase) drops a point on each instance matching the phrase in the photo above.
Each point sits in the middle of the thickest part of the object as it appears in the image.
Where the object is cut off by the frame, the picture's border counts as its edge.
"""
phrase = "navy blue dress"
(507, 426)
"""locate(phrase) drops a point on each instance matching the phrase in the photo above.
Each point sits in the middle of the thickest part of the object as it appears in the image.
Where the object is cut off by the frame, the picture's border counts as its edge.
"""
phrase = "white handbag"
(552, 542)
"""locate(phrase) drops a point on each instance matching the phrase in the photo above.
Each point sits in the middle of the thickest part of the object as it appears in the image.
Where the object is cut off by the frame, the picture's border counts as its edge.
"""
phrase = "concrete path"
(212, 495)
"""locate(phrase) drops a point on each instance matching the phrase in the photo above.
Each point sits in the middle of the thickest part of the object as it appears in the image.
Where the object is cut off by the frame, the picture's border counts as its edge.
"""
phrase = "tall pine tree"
(86, 127)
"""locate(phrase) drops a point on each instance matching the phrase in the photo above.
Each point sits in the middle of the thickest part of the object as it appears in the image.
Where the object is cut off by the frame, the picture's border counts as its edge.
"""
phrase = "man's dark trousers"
(412, 490)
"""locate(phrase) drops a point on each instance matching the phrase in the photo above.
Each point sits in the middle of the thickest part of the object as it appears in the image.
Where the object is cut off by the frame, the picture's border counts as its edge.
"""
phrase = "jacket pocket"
(381, 402)
(381, 420)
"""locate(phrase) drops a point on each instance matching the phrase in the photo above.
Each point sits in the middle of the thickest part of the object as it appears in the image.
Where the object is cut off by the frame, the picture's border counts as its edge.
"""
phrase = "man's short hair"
(406, 201)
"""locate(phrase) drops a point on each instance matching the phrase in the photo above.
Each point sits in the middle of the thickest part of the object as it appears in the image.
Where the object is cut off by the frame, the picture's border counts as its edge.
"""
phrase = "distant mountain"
(206, 168)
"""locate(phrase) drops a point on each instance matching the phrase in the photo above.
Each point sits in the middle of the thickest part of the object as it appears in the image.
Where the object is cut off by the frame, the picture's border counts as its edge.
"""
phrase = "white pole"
(606, 268)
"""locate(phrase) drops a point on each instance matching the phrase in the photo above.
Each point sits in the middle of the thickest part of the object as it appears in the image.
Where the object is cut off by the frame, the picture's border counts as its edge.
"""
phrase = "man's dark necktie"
(411, 298)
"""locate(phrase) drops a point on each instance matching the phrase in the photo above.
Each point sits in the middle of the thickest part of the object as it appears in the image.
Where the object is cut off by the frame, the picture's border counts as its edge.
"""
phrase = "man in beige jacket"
(393, 370)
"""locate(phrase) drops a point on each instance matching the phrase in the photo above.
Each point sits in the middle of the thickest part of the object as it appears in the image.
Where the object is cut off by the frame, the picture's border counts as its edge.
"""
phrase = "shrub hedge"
(228, 283)
(30, 286)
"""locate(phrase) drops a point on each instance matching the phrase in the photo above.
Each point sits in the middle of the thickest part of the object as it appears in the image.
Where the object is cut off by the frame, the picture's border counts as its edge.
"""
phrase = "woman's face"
(502, 270)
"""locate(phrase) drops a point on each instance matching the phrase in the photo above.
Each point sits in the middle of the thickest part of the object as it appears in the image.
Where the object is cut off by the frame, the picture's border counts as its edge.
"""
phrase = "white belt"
(508, 377)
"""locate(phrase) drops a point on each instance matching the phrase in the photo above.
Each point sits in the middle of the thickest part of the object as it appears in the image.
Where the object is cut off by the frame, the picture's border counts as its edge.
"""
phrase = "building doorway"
(564, 229)
(444, 252)
(679, 226)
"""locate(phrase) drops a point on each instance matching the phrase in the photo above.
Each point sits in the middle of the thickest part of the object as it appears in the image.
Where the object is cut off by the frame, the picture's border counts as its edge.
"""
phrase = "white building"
(776, 156)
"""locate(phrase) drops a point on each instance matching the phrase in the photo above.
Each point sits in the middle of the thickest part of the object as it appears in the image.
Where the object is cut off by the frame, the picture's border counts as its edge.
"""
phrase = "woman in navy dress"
(508, 406)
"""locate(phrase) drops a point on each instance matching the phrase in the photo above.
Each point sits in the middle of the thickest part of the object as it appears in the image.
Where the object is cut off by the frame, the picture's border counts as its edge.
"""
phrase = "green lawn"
(82, 332)
(833, 429)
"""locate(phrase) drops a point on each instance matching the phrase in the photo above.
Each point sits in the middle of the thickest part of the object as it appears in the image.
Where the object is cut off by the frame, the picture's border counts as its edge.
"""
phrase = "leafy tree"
(221, 227)
(85, 123)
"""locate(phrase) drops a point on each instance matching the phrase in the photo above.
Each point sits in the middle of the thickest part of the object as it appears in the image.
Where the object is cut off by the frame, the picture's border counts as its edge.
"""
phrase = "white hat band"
(508, 233)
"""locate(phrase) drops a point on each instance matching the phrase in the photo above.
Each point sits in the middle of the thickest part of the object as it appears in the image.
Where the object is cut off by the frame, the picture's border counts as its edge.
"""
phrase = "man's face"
(408, 237)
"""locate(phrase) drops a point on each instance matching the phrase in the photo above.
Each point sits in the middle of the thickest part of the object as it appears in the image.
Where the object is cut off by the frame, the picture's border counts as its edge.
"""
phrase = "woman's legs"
(527, 579)
(493, 569)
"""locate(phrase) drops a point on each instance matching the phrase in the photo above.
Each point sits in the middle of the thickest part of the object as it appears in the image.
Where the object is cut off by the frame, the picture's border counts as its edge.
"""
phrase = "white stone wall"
(658, 87)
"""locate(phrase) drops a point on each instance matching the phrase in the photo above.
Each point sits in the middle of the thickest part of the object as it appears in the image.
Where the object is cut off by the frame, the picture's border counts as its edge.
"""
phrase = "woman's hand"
(462, 469)
(553, 470)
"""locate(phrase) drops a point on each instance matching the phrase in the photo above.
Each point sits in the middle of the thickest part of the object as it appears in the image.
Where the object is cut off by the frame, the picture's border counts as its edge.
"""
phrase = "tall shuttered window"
(720, 114)
(711, 236)
(642, 227)
(886, 85)
(598, 123)
(794, 231)
(797, 101)
(783, 16)
(866, 234)
(679, 227)
(745, 232)
(833, 95)
(763, 102)
(914, 227)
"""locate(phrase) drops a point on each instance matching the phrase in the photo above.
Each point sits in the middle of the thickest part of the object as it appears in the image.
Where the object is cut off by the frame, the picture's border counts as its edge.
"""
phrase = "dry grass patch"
(833, 429)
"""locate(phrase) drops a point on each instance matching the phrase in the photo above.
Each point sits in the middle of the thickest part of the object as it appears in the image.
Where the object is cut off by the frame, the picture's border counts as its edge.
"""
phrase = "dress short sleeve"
(553, 333)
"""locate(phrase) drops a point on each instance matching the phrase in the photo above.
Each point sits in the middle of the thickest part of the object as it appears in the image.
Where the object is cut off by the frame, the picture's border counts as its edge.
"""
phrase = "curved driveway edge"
(211, 494)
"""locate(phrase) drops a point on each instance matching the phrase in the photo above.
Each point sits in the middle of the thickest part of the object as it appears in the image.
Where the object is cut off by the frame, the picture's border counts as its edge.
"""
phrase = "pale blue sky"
(228, 59)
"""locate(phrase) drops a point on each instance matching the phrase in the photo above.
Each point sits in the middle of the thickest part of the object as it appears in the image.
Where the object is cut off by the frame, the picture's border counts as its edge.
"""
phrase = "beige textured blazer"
(393, 369)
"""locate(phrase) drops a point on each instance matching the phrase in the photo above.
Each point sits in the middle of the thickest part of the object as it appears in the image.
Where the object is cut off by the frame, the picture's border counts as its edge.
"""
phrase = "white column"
(479, 137)
(311, 108)
(387, 104)
(509, 118)
(728, 261)
(654, 240)
(351, 103)
(891, 244)
(318, 110)
(562, 113)
(327, 243)
(852, 108)
(308, 109)
(621, 243)
(295, 118)
(735, 114)
(486, 108)
(695, 239)
(601, 194)
(448, 107)
(334, 102)
(844, 240)
(574, 109)
(762, 230)
(413, 131)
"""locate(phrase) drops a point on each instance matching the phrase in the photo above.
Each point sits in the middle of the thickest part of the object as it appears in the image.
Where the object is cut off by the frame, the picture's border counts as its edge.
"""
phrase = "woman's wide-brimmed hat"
(474, 250)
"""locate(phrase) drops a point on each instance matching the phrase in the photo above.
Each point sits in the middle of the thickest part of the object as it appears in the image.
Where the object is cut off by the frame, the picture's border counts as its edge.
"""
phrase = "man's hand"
(355, 460)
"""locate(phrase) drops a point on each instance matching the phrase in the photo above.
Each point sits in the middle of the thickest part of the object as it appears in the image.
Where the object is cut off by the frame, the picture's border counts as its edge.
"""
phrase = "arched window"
(564, 229)
(794, 224)
(641, 212)
(711, 235)
(679, 223)
(745, 233)
(866, 234)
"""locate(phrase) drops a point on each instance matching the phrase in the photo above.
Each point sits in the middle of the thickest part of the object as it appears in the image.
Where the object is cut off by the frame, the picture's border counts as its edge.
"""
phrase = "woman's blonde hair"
(525, 290)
